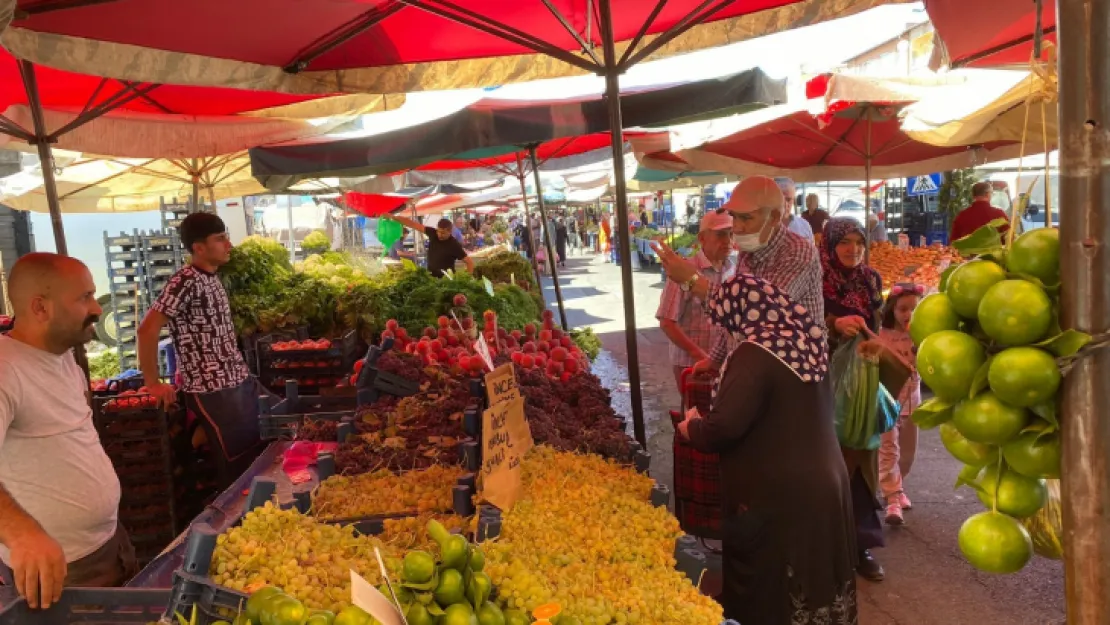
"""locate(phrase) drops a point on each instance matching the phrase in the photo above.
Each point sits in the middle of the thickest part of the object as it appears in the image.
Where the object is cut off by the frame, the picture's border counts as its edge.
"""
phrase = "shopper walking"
(853, 296)
(767, 250)
(899, 445)
(787, 513)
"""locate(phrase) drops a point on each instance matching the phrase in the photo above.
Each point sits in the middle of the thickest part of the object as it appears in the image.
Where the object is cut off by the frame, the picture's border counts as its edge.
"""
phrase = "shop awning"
(371, 46)
(991, 108)
(988, 33)
(491, 132)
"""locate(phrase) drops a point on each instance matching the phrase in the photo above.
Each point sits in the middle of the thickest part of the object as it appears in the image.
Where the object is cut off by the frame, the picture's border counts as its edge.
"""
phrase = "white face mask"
(748, 242)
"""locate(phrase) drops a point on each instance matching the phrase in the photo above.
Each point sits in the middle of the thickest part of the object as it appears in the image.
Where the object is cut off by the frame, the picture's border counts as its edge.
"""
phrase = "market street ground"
(928, 582)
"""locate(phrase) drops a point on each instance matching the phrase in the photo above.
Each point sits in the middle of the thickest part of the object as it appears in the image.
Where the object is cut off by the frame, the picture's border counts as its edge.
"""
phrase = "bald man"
(59, 495)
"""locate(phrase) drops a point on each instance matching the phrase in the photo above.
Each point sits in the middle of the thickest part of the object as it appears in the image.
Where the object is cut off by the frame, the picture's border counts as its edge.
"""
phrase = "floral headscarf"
(848, 291)
(753, 310)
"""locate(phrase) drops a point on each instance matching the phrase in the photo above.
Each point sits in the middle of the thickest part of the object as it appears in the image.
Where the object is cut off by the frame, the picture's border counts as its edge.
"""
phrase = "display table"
(223, 512)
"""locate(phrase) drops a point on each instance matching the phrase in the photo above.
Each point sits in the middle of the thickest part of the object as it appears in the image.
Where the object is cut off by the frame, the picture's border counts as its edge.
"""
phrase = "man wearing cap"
(795, 224)
(681, 315)
(444, 249)
(767, 250)
(217, 386)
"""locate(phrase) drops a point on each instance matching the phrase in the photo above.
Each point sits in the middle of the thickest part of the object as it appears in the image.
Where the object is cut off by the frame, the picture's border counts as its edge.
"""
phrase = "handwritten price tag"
(506, 438)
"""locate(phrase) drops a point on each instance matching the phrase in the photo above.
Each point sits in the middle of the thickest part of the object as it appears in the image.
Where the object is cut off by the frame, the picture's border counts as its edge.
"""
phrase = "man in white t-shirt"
(59, 494)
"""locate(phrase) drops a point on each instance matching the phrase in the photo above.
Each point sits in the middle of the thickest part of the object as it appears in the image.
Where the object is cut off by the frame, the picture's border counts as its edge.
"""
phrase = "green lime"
(968, 452)
(351, 615)
(418, 567)
(933, 314)
(458, 614)
(1024, 376)
(947, 362)
(287, 611)
(969, 283)
(450, 589)
(490, 614)
(417, 614)
(995, 543)
(1015, 312)
(1037, 253)
(257, 600)
(987, 419)
(1018, 496)
(1034, 455)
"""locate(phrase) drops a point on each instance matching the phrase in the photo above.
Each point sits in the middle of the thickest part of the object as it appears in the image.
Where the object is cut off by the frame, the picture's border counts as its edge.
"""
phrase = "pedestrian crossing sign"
(923, 185)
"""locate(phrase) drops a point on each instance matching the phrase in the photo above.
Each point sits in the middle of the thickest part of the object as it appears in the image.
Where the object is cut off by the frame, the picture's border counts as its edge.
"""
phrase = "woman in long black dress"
(788, 537)
(561, 242)
(853, 297)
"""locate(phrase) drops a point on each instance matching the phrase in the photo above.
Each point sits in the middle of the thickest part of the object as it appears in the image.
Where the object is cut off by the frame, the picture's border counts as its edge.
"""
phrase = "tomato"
(354, 379)
(279, 347)
(323, 344)
(359, 364)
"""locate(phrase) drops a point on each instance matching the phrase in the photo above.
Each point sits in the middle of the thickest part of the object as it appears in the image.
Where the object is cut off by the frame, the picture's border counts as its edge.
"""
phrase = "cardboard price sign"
(506, 438)
(501, 384)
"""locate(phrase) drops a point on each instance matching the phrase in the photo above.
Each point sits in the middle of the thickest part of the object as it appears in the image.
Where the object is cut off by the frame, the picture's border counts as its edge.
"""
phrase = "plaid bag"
(697, 475)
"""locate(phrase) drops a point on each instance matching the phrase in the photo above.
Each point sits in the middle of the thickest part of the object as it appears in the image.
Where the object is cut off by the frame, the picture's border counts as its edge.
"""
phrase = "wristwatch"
(689, 284)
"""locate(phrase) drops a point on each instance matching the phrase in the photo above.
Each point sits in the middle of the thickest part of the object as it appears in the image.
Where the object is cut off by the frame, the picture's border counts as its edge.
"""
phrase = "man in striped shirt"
(767, 250)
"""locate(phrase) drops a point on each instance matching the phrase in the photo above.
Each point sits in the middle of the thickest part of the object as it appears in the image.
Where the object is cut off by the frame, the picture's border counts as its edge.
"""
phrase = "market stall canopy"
(101, 184)
(374, 46)
(164, 121)
(558, 155)
(789, 140)
(490, 132)
(377, 204)
(1025, 110)
(988, 33)
(646, 179)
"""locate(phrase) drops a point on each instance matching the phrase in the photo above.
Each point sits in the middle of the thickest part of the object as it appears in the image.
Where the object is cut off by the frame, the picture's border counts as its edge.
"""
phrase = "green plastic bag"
(864, 409)
(389, 232)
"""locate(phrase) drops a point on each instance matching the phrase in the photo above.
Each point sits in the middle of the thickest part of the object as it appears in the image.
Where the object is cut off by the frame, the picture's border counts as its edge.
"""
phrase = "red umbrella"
(375, 46)
(989, 33)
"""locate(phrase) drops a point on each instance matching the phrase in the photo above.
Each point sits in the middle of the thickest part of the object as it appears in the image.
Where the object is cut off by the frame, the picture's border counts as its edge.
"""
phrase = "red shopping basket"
(697, 475)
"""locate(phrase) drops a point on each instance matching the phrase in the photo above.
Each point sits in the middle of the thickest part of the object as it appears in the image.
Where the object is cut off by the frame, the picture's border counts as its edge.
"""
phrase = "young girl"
(900, 444)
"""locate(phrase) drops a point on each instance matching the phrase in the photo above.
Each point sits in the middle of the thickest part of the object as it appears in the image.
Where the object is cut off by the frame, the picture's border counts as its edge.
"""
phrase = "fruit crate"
(284, 419)
(372, 380)
(311, 363)
(212, 603)
(249, 344)
(90, 606)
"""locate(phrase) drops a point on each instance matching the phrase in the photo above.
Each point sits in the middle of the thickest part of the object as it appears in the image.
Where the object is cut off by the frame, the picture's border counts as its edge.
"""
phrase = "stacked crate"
(136, 435)
(140, 265)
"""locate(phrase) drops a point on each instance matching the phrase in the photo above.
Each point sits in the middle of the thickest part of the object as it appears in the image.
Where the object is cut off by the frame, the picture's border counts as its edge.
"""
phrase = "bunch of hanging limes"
(987, 348)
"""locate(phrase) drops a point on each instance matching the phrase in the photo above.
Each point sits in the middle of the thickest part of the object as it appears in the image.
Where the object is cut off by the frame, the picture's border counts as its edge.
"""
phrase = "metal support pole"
(46, 156)
(620, 192)
(547, 239)
(1084, 106)
(195, 175)
(528, 229)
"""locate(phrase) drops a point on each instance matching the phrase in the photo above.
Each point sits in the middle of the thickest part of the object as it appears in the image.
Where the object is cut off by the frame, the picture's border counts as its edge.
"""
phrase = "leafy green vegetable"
(104, 365)
(586, 341)
(316, 242)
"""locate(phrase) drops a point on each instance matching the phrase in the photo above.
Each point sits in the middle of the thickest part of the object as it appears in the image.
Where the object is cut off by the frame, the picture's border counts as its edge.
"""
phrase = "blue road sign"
(923, 185)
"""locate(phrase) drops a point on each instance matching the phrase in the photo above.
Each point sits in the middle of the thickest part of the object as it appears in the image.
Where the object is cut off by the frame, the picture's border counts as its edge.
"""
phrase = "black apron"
(230, 421)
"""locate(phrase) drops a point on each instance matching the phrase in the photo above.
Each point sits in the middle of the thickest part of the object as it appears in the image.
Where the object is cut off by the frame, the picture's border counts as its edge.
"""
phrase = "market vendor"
(59, 494)
(443, 248)
(217, 386)
(979, 214)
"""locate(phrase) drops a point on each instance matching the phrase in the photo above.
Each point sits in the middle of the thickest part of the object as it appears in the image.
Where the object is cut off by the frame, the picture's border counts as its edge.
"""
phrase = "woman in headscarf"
(853, 298)
(789, 546)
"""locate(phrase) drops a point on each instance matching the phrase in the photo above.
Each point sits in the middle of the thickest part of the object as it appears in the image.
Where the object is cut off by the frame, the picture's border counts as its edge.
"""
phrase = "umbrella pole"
(867, 195)
(547, 239)
(46, 156)
(195, 174)
(528, 229)
(1085, 303)
(620, 190)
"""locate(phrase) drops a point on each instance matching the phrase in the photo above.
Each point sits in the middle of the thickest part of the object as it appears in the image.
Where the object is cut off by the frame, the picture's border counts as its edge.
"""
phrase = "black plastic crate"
(213, 603)
(342, 347)
(89, 606)
(285, 418)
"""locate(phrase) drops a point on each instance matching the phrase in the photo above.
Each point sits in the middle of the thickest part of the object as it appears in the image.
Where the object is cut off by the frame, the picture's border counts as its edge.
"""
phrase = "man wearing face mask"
(59, 494)
(768, 250)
